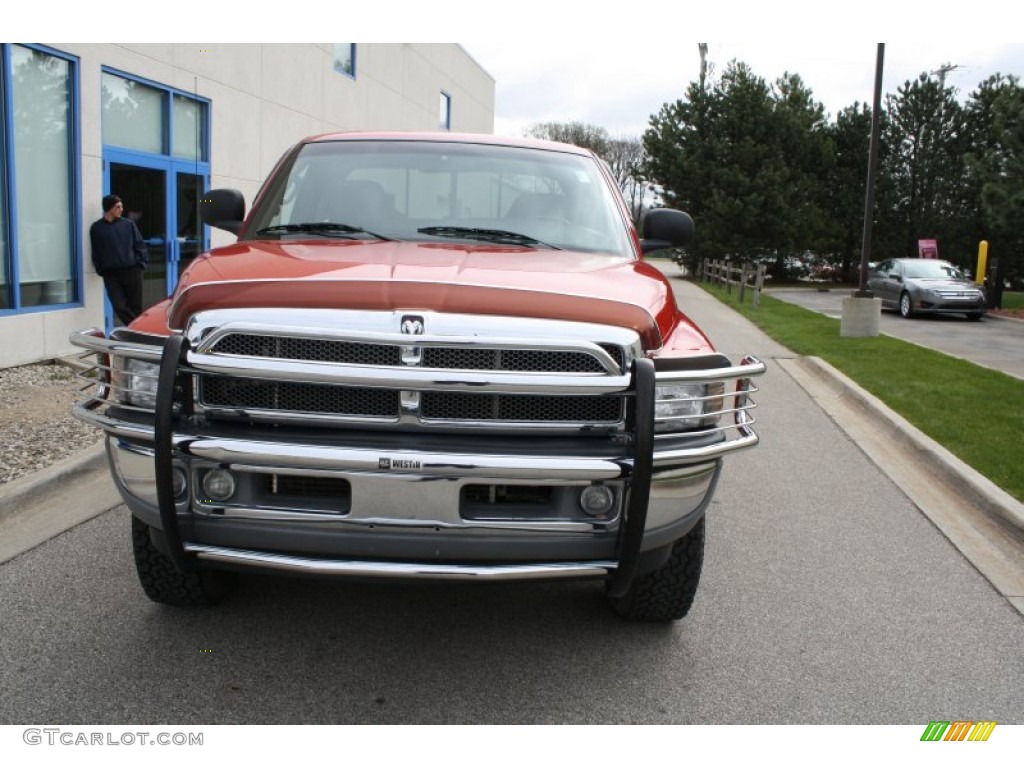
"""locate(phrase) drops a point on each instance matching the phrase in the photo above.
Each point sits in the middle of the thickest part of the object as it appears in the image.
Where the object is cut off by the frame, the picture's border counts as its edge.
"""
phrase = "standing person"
(120, 257)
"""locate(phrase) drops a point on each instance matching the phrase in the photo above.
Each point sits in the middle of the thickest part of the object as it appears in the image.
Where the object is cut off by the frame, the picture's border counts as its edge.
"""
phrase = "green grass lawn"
(976, 413)
(1013, 300)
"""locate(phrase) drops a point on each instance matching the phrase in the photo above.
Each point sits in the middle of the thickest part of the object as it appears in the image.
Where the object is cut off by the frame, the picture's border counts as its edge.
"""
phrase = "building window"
(133, 114)
(446, 112)
(38, 179)
(345, 58)
(135, 117)
(189, 122)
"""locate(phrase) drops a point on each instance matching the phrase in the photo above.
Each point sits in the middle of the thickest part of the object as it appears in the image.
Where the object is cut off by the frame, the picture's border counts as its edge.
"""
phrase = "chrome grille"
(292, 348)
(447, 358)
(458, 406)
(322, 367)
(959, 294)
(248, 394)
(458, 358)
(243, 395)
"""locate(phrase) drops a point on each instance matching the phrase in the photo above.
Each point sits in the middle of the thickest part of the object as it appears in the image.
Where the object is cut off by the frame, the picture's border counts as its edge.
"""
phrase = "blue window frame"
(40, 243)
(156, 151)
(157, 120)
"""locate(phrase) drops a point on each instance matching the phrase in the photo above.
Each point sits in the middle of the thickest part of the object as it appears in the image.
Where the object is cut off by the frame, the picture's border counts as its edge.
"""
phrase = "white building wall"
(263, 99)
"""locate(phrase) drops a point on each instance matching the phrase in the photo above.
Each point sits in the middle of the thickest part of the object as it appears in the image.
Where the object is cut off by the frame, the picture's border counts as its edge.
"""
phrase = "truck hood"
(444, 277)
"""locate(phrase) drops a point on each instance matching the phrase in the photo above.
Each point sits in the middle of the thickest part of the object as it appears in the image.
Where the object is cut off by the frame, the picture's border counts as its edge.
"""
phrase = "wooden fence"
(742, 277)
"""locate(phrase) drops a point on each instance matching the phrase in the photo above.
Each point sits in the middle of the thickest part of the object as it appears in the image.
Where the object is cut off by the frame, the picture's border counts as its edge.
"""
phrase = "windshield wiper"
(321, 228)
(489, 235)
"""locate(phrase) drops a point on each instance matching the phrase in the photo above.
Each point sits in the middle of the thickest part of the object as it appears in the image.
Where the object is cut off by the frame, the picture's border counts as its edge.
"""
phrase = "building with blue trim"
(158, 124)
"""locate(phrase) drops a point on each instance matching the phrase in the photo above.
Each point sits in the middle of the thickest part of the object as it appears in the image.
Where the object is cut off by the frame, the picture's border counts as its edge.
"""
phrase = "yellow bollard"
(979, 276)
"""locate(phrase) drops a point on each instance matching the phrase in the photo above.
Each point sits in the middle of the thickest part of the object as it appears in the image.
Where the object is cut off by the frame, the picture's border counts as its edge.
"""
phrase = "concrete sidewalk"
(37, 507)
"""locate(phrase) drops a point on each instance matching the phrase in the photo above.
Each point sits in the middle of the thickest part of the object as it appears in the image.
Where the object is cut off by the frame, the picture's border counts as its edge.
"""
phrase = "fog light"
(218, 485)
(597, 500)
(178, 482)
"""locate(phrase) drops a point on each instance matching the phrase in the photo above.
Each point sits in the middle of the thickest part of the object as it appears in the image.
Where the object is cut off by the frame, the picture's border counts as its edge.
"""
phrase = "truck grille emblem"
(412, 325)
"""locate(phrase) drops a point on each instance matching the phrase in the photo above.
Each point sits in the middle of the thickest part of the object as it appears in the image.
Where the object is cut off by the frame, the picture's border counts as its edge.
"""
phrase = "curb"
(17, 493)
(989, 497)
(990, 316)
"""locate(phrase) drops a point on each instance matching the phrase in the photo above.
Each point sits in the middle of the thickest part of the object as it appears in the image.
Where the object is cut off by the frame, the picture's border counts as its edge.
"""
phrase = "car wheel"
(164, 583)
(667, 593)
(974, 315)
(906, 305)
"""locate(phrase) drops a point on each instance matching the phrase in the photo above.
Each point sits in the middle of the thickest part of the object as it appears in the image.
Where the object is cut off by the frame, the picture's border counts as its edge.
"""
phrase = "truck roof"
(447, 137)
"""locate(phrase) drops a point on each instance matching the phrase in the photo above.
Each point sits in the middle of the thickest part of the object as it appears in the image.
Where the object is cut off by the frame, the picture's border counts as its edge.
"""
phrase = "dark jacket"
(117, 244)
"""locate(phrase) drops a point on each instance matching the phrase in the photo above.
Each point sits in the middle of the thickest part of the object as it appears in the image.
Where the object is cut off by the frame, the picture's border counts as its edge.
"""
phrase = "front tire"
(906, 305)
(974, 315)
(164, 583)
(666, 593)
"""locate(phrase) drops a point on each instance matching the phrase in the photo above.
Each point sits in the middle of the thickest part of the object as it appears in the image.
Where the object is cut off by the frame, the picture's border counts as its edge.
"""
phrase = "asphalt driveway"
(992, 342)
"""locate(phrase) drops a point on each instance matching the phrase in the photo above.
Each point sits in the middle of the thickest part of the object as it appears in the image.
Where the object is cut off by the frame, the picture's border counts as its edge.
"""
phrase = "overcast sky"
(612, 63)
(581, 81)
(615, 64)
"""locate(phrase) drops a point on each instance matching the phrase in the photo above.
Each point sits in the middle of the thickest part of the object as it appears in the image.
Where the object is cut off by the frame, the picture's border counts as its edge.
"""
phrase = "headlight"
(679, 407)
(135, 381)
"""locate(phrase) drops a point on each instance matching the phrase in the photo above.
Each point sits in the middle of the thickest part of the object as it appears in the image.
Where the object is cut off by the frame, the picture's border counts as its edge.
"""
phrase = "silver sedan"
(926, 286)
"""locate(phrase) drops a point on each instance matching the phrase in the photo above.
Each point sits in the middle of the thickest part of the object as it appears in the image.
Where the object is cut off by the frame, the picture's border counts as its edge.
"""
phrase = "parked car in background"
(926, 286)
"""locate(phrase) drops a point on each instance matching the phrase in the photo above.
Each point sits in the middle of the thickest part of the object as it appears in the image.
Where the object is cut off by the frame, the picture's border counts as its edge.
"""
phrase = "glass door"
(144, 193)
(162, 197)
(189, 242)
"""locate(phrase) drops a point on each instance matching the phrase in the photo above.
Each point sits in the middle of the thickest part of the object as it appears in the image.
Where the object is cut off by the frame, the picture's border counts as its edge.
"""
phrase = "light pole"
(861, 311)
(869, 194)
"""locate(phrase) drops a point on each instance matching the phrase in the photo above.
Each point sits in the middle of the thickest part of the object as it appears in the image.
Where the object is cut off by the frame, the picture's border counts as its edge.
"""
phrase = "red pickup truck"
(428, 356)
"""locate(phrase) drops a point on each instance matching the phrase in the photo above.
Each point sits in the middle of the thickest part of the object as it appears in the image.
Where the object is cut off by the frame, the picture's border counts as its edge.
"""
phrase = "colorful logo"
(958, 730)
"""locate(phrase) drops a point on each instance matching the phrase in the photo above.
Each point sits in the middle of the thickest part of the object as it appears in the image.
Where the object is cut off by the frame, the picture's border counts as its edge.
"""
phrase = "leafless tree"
(584, 135)
(625, 157)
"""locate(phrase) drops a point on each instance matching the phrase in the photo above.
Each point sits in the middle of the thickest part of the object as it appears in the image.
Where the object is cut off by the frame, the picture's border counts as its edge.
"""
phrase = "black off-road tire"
(667, 593)
(163, 583)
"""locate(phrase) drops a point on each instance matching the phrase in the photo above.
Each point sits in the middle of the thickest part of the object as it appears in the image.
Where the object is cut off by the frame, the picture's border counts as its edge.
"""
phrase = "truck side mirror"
(223, 209)
(666, 228)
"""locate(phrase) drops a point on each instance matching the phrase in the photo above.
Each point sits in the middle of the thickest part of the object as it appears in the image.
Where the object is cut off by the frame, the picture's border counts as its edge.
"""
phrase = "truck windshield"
(443, 192)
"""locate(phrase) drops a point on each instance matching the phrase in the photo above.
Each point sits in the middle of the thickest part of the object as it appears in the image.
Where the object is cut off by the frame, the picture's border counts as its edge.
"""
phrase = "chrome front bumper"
(427, 498)
(404, 518)
(246, 537)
